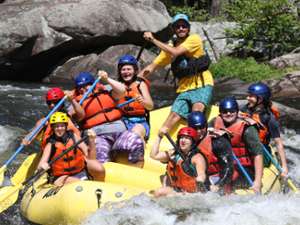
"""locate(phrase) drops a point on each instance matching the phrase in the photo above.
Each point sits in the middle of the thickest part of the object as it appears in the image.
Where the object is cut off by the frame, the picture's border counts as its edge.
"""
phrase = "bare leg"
(198, 107)
(164, 191)
(172, 119)
(65, 179)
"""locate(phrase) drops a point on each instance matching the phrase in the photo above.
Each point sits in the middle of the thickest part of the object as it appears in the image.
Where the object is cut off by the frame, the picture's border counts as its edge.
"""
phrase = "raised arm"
(118, 89)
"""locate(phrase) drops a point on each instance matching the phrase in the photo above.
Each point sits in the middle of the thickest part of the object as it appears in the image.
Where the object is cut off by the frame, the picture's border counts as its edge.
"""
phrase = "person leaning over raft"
(244, 141)
(72, 166)
(260, 108)
(189, 65)
(135, 113)
(216, 147)
(104, 117)
(186, 167)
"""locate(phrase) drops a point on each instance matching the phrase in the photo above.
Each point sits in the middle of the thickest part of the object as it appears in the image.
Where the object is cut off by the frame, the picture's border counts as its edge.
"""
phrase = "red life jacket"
(134, 108)
(263, 130)
(205, 146)
(71, 163)
(236, 130)
(48, 132)
(99, 107)
(180, 178)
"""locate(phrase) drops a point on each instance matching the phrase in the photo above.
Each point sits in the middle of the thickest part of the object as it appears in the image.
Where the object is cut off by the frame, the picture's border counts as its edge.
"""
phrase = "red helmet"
(54, 94)
(188, 131)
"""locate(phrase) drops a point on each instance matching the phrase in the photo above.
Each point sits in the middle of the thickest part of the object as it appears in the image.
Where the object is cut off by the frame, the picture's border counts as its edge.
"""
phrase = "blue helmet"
(228, 104)
(197, 120)
(84, 78)
(180, 16)
(261, 90)
(127, 60)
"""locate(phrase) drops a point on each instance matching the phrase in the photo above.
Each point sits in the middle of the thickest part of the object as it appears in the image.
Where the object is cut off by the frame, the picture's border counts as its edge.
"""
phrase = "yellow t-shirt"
(194, 46)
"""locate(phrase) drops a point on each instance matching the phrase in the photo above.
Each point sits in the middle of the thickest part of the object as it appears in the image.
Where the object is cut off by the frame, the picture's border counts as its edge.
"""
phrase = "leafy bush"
(244, 69)
(193, 13)
(270, 28)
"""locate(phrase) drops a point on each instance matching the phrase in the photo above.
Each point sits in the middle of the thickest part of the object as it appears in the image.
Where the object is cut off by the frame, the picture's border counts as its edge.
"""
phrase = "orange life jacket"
(71, 163)
(236, 131)
(263, 130)
(134, 108)
(205, 146)
(99, 107)
(181, 179)
(48, 132)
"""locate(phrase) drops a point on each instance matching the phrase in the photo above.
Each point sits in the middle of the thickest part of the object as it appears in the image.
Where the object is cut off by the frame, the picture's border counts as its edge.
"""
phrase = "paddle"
(9, 195)
(243, 169)
(29, 138)
(290, 183)
(175, 146)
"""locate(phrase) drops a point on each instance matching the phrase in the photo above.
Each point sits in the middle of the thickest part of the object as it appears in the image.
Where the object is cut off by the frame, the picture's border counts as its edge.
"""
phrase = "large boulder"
(288, 60)
(38, 35)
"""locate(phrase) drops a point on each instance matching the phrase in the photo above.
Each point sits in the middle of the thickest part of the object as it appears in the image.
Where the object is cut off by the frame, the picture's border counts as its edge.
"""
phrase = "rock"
(39, 35)
(289, 60)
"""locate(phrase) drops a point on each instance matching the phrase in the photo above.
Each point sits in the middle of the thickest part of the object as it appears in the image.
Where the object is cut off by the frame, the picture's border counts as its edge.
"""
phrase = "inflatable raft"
(46, 204)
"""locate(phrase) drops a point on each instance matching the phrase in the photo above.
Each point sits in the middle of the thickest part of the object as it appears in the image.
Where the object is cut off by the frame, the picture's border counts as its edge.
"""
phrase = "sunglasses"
(184, 26)
(52, 102)
(228, 111)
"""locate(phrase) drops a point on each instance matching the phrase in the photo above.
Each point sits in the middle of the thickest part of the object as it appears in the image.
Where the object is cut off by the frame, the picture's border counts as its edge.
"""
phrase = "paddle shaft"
(42, 171)
(242, 169)
(174, 146)
(276, 164)
(35, 131)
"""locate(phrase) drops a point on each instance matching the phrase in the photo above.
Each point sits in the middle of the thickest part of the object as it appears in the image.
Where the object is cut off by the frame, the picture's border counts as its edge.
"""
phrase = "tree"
(268, 27)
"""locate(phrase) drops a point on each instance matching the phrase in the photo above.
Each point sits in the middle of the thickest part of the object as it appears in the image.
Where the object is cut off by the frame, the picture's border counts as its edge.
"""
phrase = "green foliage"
(271, 27)
(193, 13)
(244, 69)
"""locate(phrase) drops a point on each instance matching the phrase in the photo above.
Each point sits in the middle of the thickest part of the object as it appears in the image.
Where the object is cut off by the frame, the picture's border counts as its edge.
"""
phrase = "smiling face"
(185, 143)
(253, 100)
(229, 116)
(59, 129)
(181, 29)
(127, 73)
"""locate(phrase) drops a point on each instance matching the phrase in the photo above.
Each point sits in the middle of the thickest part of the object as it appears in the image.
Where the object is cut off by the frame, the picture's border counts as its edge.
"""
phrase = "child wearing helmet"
(186, 166)
(215, 145)
(104, 117)
(189, 64)
(72, 166)
(244, 141)
(52, 97)
(135, 114)
(260, 108)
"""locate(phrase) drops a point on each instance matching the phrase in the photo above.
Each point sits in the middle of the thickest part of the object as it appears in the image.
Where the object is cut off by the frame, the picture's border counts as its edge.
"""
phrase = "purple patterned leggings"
(126, 141)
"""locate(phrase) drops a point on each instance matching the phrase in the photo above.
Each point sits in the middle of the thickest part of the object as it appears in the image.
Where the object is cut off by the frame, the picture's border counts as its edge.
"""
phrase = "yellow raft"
(70, 204)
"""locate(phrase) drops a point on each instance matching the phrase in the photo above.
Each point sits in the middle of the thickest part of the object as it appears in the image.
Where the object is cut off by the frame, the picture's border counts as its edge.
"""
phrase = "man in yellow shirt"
(189, 65)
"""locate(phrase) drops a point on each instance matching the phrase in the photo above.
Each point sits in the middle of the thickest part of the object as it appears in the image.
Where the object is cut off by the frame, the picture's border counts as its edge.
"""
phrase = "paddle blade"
(2, 171)
(9, 196)
(292, 186)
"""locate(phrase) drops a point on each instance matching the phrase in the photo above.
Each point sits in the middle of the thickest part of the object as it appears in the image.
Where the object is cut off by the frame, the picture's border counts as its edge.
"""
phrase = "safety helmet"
(228, 104)
(127, 60)
(180, 16)
(197, 120)
(84, 78)
(59, 117)
(261, 90)
(54, 94)
(187, 131)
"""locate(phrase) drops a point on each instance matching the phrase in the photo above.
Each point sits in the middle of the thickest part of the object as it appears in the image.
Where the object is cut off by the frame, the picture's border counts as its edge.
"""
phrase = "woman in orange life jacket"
(72, 166)
(215, 145)
(103, 116)
(135, 113)
(53, 96)
(260, 108)
(244, 141)
(185, 175)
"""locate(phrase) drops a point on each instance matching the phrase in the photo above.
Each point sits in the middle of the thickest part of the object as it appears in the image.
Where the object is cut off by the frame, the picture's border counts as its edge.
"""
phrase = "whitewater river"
(22, 104)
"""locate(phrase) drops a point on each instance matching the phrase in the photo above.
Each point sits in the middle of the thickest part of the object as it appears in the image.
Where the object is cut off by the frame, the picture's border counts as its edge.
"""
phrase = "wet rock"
(288, 60)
